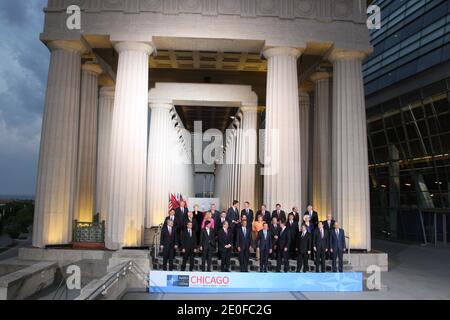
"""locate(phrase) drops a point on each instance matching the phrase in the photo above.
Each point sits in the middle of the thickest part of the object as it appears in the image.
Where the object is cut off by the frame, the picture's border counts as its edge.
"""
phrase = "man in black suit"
(274, 229)
(221, 220)
(190, 218)
(313, 216)
(295, 213)
(214, 212)
(267, 217)
(225, 239)
(188, 246)
(303, 248)
(243, 243)
(233, 218)
(328, 225)
(172, 217)
(198, 217)
(248, 213)
(278, 213)
(284, 240)
(320, 246)
(292, 225)
(264, 245)
(207, 245)
(338, 247)
(180, 215)
(168, 244)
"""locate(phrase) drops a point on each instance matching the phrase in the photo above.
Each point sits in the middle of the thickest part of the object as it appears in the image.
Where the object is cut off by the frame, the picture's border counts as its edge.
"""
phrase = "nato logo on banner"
(177, 280)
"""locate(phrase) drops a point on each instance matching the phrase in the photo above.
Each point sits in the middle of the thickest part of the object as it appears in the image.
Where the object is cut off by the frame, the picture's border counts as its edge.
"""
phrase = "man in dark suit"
(198, 217)
(328, 225)
(284, 240)
(190, 218)
(320, 246)
(303, 248)
(248, 213)
(225, 239)
(221, 220)
(278, 213)
(313, 216)
(188, 246)
(243, 243)
(267, 217)
(168, 244)
(214, 212)
(233, 218)
(207, 245)
(264, 245)
(172, 217)
(292, 225)
(295, 213)
(274, 229)
(338, 247)
(180, 215)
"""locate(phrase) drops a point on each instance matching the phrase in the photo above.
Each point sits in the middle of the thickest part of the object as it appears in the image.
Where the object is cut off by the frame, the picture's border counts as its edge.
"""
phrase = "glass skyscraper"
(407, 86)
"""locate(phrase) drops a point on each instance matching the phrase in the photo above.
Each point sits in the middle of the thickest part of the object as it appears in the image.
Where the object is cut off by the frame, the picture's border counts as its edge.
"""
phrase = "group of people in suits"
(271, 234)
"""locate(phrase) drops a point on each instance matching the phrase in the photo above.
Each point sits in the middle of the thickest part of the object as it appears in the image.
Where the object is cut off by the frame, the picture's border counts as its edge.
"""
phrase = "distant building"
(407, 88)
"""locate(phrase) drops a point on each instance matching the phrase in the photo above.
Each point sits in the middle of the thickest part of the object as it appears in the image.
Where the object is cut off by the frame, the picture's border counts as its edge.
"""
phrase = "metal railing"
(88, 231)
(156, 238)
(115, 276)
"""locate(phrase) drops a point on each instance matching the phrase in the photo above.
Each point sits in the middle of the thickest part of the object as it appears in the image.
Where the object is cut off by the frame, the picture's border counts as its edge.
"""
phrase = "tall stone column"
(87, 144)
(305, 106)
(56, 177)
(282, 171)
(105, 114)
(350, 182)
(321, 165)
(248, 155)
(237, 158)
(125, 225)
(160, 137)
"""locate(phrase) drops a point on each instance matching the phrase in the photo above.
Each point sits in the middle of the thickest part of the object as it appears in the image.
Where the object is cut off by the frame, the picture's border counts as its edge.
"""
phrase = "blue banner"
(217, 282)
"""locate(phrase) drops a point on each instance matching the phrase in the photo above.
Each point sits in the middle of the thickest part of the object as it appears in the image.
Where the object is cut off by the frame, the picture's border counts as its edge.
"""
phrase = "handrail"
(156, 238)
(121, 270)
(348, 249)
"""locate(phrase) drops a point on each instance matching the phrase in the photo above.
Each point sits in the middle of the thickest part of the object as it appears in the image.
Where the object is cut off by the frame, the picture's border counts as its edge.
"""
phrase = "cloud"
(24, 64)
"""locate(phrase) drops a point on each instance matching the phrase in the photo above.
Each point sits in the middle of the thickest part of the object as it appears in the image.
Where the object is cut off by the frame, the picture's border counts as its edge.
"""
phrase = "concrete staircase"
(234, 264)
(140, 257)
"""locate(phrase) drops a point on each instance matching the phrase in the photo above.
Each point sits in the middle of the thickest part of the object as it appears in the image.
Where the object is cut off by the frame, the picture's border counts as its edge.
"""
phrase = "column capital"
(246, 109)
(135, 46)
(320, 75)
(107, 92)
(340, 54)
(72, 46)
(282, 51)
(92, 68)
(161, 105)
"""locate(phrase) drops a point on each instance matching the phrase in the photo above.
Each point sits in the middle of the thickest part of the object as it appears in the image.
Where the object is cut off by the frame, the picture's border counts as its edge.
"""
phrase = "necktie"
(303, 234)
(190, 234)
(321, 233)
(207, 231)
(265, 234)
(337, 232)
(243, 230)
(170, 231)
